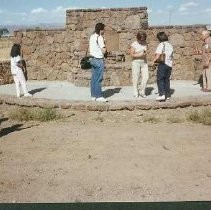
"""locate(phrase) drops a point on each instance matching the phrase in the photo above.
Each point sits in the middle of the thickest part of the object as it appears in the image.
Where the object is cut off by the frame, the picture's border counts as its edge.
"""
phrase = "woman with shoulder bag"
(164, 58)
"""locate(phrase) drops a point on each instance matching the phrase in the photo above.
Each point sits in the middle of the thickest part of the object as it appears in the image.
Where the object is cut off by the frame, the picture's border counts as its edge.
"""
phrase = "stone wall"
(5, 75)
(46, 53)
(121, 25)
(55, 54)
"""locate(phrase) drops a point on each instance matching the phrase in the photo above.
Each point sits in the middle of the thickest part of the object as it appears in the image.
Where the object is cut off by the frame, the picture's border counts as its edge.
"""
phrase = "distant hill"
(13, 28)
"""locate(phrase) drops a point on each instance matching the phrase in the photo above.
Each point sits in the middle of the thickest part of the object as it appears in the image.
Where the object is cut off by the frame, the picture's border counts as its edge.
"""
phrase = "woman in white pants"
(17, 71)
(139, 65)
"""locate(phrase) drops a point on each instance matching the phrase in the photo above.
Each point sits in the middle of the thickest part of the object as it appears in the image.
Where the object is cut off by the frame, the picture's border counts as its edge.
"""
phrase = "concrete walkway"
(62, 91)
(59, 90)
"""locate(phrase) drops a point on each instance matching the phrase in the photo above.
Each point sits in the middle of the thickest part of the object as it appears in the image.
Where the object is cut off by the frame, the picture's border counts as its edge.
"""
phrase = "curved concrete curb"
(110, 106)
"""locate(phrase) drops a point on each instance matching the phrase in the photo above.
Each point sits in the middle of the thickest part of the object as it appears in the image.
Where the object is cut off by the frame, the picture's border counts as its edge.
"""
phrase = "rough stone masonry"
(55, 54)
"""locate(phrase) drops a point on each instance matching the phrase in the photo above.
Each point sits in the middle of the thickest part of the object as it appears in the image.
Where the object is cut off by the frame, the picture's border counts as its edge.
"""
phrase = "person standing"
(138, 50)
(17, 72)
(164, 68)
(206, 60)
(97, 50)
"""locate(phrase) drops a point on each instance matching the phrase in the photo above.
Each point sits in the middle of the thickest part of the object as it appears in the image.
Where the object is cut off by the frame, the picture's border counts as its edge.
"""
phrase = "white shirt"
(138, 47)
(13, 62)
(168, 50)
(96, 43)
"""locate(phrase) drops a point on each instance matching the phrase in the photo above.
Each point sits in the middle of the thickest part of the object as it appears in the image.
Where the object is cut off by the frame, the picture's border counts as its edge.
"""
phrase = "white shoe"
(168, 98)
(101, 99)
(93, 98)
(161, 98)
(27, 95)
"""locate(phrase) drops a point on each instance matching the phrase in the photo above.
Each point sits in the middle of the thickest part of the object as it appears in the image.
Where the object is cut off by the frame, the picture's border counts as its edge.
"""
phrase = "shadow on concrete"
(37, 90)
(172, 91)
(110, 92)
(148, 90)
(200, 81)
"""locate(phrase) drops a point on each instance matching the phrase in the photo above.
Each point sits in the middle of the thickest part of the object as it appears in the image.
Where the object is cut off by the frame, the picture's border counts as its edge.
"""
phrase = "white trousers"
(20, 80)
(139, 66)
(207, 78)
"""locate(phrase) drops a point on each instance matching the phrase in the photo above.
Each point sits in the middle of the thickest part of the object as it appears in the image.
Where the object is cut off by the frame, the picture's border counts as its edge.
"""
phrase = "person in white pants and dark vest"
(138, 50)
(17, 72)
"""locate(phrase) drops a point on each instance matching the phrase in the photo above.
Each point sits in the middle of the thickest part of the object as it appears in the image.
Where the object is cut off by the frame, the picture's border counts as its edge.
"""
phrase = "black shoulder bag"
(85, 61)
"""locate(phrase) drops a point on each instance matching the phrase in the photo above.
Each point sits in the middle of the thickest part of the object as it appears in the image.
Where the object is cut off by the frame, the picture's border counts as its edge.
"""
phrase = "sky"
(160, 12)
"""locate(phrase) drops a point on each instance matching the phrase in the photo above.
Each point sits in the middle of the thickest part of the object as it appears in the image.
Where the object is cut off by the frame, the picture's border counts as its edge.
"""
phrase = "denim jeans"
(163, 79)
(97, 77)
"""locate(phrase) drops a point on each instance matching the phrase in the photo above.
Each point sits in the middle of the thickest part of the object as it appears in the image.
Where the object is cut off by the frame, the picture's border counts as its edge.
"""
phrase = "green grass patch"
(34, 114)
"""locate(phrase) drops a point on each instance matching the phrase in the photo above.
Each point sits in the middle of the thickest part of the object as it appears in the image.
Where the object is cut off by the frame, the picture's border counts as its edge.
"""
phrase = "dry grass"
(174, 119)
(34, 114)
(200, 116)
(151, 119)
(5, 54)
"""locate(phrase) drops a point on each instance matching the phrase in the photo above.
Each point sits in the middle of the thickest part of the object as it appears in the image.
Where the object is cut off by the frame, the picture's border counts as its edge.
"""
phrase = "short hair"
(141, 35)
(162, 37)
(15, 51)
(99, 27)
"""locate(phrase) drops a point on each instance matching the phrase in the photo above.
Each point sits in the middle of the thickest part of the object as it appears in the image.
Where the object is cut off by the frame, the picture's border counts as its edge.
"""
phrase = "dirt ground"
(105, 156)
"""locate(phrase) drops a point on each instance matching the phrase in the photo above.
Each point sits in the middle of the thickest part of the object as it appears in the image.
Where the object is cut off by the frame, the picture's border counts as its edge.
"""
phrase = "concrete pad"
(63, 90)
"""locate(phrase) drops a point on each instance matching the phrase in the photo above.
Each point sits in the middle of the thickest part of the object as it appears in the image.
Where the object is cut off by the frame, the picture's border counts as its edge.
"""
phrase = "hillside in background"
(13, 28)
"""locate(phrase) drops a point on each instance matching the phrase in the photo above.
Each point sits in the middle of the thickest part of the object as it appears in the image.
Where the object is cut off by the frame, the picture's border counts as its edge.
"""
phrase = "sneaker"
(93, 98)
(101, 99)
(168, 98)
(27, 95)
(161, 98)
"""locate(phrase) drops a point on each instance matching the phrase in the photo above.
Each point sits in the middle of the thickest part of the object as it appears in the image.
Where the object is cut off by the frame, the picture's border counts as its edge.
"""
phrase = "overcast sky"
(161, 12)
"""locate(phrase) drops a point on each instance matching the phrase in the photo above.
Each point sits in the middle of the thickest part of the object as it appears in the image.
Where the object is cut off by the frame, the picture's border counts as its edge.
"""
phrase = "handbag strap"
(163, 50)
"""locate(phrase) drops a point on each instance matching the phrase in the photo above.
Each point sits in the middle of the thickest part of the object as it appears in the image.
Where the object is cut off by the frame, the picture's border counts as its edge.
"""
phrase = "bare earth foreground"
(105, 156)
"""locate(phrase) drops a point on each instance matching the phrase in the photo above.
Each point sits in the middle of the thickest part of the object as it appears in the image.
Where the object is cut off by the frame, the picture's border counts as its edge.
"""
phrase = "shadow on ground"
(37, 90)
(13, 128)
(149, 90)
(172, 91)
(3, 119)
(110, 92)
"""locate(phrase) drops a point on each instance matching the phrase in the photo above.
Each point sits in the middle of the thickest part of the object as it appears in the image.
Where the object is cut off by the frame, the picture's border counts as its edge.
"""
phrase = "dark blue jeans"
(97, 77)
(163, 79)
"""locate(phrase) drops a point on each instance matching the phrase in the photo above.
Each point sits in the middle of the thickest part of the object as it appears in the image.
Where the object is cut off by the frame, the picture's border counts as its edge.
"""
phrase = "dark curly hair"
(162, 37)
(99, 27)
(141, 35)
(15, 51)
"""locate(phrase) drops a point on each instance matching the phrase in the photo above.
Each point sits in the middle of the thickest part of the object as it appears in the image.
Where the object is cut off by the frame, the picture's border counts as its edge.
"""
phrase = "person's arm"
(157, 53)
(136, 55)
(101, 43)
